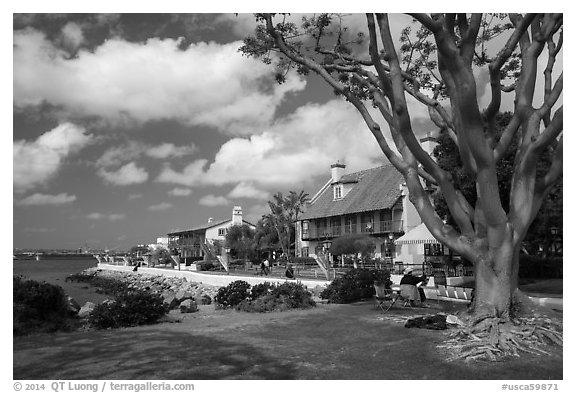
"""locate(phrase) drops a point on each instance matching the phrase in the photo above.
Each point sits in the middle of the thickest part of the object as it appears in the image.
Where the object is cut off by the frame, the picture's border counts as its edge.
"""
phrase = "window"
(305, 225)
(221, 231)
(305, 251)
(350, 224)
(338, 191)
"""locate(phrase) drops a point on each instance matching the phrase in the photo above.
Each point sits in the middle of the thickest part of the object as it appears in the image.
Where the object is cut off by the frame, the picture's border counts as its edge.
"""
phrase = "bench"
(451, 292)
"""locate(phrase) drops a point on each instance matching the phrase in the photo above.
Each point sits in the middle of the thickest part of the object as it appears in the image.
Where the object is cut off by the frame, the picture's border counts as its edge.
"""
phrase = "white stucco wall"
(212, 233)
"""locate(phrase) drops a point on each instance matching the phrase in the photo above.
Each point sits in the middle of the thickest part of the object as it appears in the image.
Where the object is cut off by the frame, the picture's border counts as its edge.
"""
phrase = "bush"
(283, 297)
(263, 297)
(131, 308)
(296, 295)
(232, 295)
(259, 290)
(355, 285)
(39, 307)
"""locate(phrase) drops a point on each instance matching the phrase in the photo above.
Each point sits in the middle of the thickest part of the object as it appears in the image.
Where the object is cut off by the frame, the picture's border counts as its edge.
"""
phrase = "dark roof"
(207, 226)
(376, 189)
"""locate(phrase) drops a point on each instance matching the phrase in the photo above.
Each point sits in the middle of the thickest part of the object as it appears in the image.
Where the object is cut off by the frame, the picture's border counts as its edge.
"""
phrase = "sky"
(129, 126)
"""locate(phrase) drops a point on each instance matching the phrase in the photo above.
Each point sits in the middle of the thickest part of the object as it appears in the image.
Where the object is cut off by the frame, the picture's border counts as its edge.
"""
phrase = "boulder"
(203, 299)
(188, 306)
(183, 295)
(86, 310)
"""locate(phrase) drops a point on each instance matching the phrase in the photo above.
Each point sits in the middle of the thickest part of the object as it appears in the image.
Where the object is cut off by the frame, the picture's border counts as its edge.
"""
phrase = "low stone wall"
(212, 279)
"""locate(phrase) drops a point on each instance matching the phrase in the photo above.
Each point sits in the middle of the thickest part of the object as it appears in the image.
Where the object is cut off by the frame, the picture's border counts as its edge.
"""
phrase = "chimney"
(337, 171)
(210, 220)
(237, 215)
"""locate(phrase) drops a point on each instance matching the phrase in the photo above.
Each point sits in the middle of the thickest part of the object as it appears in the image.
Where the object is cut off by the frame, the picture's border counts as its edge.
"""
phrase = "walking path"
(218, 279)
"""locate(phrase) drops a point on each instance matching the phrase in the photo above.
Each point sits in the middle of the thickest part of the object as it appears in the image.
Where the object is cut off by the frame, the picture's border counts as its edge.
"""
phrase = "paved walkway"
(213, 279)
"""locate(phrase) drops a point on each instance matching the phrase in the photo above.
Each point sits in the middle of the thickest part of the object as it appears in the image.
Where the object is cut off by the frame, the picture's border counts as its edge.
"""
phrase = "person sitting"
(410, 279)
(289, 272)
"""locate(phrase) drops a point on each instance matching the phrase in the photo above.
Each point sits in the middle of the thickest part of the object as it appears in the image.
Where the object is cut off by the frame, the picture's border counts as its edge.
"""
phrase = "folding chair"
(383, 295)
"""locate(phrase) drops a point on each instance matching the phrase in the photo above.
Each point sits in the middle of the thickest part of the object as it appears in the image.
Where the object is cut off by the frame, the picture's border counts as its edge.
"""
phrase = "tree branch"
(507, 137)
(427, 22)
(495, 66)
(468, 43)
(551, 132)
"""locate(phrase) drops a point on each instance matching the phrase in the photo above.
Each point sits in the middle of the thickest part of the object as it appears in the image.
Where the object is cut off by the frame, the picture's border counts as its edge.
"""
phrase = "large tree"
(241, 240)
(435, 67)
(284, 212)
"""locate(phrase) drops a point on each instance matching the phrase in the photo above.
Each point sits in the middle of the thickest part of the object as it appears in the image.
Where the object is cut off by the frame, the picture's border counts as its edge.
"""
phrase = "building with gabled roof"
(198, 242)
(372, 202)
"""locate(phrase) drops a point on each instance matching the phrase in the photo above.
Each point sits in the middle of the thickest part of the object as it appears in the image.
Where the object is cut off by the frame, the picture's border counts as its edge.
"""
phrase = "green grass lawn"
(340, 342)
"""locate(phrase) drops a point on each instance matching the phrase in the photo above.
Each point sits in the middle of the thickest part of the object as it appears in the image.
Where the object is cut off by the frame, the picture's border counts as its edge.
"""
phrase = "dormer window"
(337, 191)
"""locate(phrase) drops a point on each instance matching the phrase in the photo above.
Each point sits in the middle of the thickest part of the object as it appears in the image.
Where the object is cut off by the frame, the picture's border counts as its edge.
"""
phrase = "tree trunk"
(494, 283)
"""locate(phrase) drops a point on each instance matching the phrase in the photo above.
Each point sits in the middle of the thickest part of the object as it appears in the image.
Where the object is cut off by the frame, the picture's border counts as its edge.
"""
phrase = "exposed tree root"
(490, 338)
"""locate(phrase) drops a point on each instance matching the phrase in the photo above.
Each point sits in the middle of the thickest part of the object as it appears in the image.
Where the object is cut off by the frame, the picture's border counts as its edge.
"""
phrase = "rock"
(183, 295)
(203, 299)
(73, 306)
(86, 310)
(454, 320)
(188, 306)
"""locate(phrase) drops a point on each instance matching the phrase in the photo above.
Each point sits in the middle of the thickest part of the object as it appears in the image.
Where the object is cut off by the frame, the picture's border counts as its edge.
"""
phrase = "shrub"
(355, 285)
(259, 290)
(296, 295)
(263, 297)
(232, 295)
(131, 308)
(285, 296)
(39, 307)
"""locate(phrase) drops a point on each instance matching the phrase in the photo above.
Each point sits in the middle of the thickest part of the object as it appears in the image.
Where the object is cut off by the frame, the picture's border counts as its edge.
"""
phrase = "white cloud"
(119, 155)
(102, 216)
(72, 36)
(131, 197)
(290, 153)
(126, 175)
(206, 84)
(180, 191)
(168, 150)
(212, 200)
(192, 174)
(38, 161)
(160, 206)
(247, 190)
(45, 199)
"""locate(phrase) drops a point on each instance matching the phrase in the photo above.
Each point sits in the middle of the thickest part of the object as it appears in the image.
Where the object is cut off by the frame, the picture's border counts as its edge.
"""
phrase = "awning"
(417, 235)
